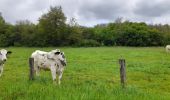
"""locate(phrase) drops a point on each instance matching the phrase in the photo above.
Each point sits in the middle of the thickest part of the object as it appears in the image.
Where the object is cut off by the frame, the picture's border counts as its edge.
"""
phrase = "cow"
(3, 58)
(167, 48)
(54, 61)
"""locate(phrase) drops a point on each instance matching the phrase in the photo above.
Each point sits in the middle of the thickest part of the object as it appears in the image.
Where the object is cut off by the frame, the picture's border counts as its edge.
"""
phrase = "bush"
(89, 43)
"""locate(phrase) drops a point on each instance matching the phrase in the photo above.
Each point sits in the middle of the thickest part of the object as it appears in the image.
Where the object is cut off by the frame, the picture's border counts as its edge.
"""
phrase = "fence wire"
(115, 61)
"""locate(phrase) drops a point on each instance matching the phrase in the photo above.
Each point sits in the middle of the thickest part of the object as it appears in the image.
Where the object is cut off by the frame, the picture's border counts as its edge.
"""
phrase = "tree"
(52, 25)
(3, 36)
(23, 33)
(2, 25)
(74, 31)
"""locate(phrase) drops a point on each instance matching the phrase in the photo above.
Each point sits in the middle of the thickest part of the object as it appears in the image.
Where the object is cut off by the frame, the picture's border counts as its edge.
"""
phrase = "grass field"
(91, 74)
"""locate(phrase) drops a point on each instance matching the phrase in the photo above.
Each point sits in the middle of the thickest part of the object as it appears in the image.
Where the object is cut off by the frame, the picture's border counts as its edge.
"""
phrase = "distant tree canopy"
(52, 26)
(52, 30)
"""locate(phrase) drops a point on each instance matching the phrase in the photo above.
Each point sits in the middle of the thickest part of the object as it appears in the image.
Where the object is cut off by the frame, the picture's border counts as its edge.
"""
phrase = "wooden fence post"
(31, 65)
(122, 72)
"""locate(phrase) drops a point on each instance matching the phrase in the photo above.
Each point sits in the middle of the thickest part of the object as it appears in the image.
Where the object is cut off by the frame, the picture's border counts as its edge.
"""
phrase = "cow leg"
(53, 73)
(1, 70)
(60, 77)
(37, 69)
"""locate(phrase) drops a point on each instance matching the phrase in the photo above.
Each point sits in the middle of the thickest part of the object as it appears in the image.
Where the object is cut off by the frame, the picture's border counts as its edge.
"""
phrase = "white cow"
(3, 58)
(167, 48)
(54, 61)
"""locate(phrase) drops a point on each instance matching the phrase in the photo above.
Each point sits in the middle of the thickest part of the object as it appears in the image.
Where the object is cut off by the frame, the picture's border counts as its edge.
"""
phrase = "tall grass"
(91, 74)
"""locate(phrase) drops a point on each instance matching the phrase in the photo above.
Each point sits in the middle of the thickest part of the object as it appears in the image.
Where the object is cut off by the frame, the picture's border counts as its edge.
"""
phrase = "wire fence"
(117, 61)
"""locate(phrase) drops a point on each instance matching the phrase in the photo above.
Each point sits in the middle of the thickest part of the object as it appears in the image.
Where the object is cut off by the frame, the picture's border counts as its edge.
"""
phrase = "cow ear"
(9, 52)
(57, 53)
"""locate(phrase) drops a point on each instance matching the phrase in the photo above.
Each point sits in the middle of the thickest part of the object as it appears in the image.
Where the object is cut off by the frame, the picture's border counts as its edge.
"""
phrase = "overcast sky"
(89, 12)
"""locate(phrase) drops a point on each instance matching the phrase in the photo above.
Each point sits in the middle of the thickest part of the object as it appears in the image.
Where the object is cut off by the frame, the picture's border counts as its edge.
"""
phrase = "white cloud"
(89, 12)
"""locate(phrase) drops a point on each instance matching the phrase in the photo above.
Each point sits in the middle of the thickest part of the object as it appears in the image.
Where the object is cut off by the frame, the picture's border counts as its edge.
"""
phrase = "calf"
(167, 48)
(54, 61)
(3, 58)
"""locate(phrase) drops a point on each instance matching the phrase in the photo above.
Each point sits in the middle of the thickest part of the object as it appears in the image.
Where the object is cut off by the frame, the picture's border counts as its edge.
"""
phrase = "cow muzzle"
(63, 62)
(4, 60)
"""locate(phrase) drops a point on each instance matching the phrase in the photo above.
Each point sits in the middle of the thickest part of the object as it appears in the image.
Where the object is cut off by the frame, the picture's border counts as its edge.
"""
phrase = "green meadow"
(91, 74)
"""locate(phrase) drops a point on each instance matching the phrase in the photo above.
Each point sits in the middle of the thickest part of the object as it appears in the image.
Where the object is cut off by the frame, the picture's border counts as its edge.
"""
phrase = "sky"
(89, 12)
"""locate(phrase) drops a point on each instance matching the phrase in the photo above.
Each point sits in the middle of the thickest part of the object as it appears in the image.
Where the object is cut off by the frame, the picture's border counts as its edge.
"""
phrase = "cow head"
(3, 55)
(57, 55)
(63, 62)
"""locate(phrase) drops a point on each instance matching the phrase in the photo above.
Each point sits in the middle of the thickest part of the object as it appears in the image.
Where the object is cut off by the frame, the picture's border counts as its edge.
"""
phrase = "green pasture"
(91, 74)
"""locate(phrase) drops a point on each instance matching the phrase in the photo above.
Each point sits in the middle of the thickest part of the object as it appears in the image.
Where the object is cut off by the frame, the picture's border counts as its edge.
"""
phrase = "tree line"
(52, 30)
